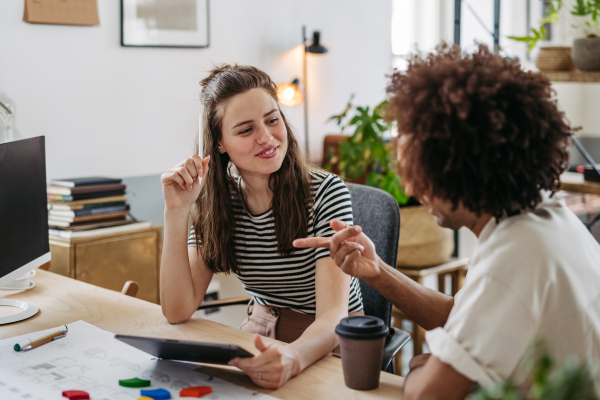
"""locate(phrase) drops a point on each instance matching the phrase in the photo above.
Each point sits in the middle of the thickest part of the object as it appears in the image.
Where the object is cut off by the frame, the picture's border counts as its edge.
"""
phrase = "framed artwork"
(165, 23)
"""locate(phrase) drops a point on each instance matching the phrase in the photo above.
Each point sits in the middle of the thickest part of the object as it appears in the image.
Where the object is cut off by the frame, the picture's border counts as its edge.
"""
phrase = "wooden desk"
(573, 182)
(64, 300)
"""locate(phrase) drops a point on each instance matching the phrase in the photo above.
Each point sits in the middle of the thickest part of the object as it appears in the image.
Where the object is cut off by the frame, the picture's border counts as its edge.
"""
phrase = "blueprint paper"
(91, 359)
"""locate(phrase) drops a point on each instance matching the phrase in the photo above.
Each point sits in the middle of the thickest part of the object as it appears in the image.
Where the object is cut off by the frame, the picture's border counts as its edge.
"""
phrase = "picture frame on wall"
(165, 23)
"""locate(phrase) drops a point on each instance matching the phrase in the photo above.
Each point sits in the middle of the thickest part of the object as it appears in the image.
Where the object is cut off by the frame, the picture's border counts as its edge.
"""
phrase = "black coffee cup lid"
(362, 327)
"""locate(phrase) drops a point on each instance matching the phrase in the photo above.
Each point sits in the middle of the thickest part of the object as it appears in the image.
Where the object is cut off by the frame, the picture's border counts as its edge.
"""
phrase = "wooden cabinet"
(110, 261)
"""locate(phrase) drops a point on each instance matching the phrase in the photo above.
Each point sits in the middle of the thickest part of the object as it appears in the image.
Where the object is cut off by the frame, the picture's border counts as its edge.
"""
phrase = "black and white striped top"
(289, 281)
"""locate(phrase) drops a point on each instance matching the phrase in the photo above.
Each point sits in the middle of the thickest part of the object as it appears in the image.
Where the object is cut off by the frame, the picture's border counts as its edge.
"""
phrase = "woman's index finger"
(315, 242)
(197, 161)
(343, 235)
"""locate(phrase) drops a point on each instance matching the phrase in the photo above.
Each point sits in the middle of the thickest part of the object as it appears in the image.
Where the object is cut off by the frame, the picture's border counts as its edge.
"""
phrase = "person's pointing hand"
(351, 249)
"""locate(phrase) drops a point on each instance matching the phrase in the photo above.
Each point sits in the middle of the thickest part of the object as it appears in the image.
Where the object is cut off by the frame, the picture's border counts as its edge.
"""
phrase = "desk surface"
(573, 182)
(64, 300)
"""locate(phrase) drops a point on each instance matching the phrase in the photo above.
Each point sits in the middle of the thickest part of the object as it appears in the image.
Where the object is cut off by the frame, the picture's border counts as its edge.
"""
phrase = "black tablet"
(181, 350)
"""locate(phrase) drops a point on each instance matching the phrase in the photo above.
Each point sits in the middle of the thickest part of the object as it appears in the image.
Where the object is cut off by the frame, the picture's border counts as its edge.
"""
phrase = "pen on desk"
(42, 338)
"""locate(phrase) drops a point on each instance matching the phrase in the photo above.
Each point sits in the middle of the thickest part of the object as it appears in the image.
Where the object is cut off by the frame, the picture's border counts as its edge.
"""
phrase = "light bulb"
(288, 94)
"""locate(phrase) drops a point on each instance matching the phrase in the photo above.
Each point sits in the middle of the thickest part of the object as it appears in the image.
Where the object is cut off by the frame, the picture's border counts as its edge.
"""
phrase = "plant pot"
(586, 54)
(554, 58)
(423, 242)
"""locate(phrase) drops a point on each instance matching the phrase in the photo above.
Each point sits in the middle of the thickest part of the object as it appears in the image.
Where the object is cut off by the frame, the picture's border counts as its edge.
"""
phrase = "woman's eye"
(245, 131)
(273, 120)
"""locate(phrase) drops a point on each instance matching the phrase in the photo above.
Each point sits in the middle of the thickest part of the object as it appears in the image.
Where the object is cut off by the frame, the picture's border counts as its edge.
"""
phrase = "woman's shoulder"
(325, 183)
(319, 178)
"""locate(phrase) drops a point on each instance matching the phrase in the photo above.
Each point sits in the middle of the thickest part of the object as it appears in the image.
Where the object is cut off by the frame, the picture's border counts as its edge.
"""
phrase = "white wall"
(118, 111)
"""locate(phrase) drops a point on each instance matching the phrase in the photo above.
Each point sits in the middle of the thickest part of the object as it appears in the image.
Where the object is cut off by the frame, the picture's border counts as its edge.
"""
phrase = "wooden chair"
(456, 268)
(130, 288)
(45, 267)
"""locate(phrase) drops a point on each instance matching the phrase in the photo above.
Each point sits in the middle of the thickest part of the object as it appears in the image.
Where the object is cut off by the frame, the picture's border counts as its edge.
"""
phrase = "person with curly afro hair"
(483, 144)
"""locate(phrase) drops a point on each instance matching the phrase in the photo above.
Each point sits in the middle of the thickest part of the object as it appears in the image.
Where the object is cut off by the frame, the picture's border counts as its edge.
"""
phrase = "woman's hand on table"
(273, 367)
(351, 250)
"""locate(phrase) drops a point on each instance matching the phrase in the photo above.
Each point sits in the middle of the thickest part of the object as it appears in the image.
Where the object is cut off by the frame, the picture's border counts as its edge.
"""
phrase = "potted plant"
(585, 53)
(550, 58)
(544, 380)
(366, 157)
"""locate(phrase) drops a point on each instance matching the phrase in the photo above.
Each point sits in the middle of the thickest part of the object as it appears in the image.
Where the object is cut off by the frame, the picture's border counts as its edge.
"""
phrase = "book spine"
(68, 207)
(99, 231)
(84, 182)
(92, 211)
(84, 196)
(59, 233)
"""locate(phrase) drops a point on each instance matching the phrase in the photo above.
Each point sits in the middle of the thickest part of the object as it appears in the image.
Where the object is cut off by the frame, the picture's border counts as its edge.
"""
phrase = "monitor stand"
(28, 311)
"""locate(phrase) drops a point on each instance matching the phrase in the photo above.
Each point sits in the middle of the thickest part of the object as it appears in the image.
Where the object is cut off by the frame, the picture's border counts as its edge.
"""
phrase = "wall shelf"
(573, 76)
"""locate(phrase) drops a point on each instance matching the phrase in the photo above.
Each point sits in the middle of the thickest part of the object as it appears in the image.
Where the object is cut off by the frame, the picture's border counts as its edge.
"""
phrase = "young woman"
(245, 223)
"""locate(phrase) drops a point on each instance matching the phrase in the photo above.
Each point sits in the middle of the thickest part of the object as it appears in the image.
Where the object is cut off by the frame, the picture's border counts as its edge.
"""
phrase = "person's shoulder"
(319, 176)
(542, 228)
(325, 182)
(533, 242)
(323, 177)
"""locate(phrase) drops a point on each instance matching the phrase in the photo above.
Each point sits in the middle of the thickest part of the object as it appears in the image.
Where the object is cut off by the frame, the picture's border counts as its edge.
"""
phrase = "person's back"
(533, 275)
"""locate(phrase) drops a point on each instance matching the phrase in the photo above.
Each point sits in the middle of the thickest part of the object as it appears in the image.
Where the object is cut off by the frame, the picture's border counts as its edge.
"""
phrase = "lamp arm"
(305, 91)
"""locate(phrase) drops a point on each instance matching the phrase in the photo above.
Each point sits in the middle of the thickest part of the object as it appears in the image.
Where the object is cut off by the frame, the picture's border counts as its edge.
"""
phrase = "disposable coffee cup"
(361, 345)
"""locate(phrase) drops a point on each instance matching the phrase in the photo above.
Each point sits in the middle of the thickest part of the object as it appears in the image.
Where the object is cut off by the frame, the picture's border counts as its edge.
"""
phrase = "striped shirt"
(289, 281)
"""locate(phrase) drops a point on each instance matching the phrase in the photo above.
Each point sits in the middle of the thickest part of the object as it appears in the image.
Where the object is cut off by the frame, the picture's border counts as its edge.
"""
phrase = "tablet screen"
(167, 349)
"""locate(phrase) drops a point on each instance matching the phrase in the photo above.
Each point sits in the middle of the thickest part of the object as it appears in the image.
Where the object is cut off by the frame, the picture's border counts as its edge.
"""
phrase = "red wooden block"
(195, 391)
(76, 395)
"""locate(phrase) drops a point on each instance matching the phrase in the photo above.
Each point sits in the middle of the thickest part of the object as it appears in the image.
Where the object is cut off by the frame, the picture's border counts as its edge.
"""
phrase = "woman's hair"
(213, 218)
(478, 130)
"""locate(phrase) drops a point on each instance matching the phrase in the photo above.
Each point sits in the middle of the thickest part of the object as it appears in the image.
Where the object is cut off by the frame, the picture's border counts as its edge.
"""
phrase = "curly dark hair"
(478, 130)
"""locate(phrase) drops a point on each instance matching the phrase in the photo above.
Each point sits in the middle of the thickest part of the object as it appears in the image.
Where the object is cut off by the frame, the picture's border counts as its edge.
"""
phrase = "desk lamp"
(289, 94)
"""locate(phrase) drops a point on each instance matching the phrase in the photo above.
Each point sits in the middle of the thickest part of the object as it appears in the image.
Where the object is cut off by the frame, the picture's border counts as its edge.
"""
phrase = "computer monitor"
(23, 215)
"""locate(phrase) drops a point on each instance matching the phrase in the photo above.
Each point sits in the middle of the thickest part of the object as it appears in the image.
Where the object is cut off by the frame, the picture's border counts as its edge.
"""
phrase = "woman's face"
(254, 134)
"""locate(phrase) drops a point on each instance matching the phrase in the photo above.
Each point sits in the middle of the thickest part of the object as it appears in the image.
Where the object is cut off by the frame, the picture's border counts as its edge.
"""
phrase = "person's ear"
(221, 148)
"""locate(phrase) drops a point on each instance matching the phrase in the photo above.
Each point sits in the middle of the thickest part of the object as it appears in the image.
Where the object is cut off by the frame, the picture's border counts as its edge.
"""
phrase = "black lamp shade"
(315, 47)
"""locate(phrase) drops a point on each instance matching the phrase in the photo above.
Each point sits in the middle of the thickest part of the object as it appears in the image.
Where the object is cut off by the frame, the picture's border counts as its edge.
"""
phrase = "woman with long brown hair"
(245, 222)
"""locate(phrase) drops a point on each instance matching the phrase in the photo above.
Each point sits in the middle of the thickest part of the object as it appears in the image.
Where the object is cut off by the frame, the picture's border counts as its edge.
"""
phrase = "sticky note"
(134, 383)
(195, 391)
(156, 394)
(76, 395)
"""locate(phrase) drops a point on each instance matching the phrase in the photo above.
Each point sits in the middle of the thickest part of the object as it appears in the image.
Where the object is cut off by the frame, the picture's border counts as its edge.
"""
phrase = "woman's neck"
(256, 191)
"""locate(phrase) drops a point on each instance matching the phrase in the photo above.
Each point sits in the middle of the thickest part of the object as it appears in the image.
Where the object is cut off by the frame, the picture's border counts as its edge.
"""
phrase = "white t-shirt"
(533, 275)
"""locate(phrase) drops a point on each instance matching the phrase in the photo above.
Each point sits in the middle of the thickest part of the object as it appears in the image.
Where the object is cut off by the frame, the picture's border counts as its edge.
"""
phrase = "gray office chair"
(377, 213)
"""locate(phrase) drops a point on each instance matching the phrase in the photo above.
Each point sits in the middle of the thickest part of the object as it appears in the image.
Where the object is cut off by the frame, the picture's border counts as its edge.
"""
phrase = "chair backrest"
(378, 214)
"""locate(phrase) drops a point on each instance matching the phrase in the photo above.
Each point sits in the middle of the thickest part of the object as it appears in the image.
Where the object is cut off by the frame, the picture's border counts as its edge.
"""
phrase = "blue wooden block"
(157, 394)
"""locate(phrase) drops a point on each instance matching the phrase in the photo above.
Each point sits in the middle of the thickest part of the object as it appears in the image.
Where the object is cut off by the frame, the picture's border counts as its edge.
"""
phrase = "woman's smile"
(269, 152)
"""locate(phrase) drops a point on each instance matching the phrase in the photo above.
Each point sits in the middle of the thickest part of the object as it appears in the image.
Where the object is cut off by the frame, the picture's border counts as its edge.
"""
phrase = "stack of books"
(84, 207)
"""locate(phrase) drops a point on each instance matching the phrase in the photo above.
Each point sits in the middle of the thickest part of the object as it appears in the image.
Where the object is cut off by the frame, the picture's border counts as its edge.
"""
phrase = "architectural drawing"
(92, 360)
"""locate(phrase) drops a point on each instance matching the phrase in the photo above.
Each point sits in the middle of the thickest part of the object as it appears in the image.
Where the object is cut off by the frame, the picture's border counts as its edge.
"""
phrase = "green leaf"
(365, 151)
(580, 9)
(522, 38)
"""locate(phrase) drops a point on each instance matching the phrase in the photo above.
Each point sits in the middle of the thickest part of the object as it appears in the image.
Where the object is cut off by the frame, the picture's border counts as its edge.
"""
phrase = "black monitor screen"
(23, 203)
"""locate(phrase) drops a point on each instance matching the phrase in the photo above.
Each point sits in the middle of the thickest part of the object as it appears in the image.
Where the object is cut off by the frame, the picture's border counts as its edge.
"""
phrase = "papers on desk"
(91, 359)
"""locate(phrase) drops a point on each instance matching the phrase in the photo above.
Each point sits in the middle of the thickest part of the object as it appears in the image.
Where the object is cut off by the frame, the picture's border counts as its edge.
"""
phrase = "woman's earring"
(221, 151)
